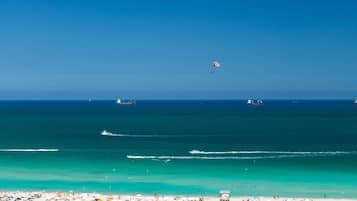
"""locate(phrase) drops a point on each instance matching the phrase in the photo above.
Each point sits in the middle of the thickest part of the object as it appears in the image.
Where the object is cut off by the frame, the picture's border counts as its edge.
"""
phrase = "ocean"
(282, 148)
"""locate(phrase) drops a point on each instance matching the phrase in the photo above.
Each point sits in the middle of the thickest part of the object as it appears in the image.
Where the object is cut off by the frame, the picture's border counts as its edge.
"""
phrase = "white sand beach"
(71, 196)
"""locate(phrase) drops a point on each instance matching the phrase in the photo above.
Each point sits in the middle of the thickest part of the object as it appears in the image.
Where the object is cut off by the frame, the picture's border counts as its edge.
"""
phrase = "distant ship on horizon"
(255, 102)
(125, 102)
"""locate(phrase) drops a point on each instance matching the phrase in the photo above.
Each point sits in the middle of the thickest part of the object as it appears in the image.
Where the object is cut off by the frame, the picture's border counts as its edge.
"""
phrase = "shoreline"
(82, 196)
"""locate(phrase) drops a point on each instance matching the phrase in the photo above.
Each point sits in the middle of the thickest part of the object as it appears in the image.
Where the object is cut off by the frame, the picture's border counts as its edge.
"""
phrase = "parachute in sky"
(215, 65)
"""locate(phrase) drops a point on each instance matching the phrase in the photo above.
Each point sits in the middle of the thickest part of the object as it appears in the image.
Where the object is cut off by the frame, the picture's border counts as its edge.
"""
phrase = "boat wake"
(198, 152)
(29, 150)
(244, 155)
(212, 157)
(106, 133)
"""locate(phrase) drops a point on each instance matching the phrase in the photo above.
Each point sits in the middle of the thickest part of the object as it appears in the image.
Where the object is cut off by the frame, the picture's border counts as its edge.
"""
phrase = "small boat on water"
(105, 132)
(355, 101)
(125, 102)
(255, 102)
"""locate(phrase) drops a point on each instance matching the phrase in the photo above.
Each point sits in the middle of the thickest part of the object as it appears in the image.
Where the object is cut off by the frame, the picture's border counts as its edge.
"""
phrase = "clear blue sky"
(153, 49)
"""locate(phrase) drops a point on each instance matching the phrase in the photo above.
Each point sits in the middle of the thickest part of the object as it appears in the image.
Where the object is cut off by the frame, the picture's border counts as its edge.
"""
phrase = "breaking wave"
(29, 150)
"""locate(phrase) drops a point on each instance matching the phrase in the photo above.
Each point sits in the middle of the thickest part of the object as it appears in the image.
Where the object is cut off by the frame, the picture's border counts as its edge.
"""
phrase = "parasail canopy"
(216, 64)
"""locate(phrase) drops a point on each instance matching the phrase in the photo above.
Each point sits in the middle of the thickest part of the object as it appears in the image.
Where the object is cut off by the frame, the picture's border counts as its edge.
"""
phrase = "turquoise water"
(305, 148)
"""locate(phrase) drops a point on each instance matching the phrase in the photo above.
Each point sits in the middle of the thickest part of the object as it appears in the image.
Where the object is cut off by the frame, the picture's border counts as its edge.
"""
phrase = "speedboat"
(104, 132)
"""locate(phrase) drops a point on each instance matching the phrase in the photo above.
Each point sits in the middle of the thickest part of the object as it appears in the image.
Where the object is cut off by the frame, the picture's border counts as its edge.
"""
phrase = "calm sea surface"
(286, 148)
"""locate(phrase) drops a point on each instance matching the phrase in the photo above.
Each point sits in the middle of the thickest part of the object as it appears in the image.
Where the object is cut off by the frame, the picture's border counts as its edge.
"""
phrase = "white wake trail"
(213, 157)
(106, 133)
(29, 150)
(198, 152)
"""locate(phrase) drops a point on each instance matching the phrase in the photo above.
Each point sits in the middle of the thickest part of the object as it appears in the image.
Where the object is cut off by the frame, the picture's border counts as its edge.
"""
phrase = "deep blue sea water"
(286, 148)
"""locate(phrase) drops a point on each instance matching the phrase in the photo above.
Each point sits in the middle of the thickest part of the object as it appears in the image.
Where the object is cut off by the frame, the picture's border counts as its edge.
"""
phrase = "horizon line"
(186, 99)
